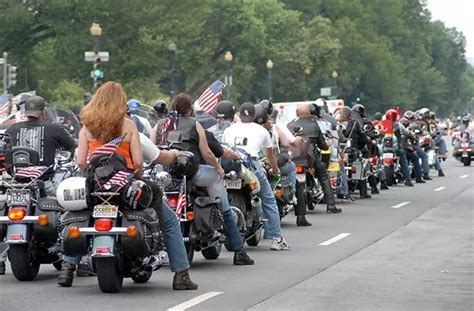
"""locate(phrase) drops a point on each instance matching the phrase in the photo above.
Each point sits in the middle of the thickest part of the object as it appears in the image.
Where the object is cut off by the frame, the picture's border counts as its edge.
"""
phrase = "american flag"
(170, 124)
(107, 149)
(31, 172)
(120, 179)
(4, 107)
(211, 96)
(181, 199)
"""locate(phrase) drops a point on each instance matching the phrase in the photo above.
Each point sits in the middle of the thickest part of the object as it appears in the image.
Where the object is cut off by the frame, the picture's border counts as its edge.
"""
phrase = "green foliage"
(389, 51)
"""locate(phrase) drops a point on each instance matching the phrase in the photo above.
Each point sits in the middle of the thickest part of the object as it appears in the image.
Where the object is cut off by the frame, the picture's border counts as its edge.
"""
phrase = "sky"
(459, 14)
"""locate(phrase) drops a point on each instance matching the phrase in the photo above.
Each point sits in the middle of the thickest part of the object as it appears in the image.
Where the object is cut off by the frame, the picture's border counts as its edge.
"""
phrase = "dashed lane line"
(464, 176)
(195, 301)
(440, 189)
(402, 204)
(335, 239)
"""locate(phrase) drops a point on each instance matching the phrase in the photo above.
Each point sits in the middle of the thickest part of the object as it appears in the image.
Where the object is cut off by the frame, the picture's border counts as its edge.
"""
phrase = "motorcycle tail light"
(426, 142)
(299, 170)
(173, 200)
(132, 232)
(253, 184)
(102, 250)
(43, 220)
(103, 224)
(16, 213)
(190, 216)
(388, 161)
(373, 161)
(279, 193)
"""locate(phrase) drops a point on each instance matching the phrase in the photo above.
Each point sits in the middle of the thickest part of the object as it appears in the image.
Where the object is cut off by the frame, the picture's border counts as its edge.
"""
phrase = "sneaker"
(279, 244)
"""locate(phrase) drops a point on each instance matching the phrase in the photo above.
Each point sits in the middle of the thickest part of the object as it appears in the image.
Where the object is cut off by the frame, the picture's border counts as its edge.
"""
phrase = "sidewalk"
(426, 265)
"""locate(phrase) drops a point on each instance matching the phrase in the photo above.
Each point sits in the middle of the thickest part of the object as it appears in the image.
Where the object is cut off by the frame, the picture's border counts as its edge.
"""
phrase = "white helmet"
(71, 193)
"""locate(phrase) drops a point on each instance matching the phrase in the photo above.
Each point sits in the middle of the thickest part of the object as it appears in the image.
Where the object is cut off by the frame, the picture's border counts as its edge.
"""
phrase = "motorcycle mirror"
(175, 137)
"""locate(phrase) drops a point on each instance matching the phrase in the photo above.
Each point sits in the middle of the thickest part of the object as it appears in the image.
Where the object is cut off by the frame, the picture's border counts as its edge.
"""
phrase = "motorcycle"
(464, 149)
(391, 163)
(106, 220)
(30, 224)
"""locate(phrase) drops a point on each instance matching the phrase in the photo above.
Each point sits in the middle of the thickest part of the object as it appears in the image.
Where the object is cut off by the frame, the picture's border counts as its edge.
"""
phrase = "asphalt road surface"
(405, 249)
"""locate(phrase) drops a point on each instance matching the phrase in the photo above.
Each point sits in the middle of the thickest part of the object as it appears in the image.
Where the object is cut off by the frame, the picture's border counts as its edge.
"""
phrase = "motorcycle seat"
(206, 201)
(49, 204)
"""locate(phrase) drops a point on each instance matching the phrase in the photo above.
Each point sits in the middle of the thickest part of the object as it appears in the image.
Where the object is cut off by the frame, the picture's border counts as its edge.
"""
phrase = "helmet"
(378, 116)
(465, 120)
(405, 122)
(226, 108)
(133, 106)
(261, 114)
(20, 100)
(360, 109)
(315, 110)
(432, 115)
(410, 115)
(424, 112)
(71, 193)
(160, 107)
(186, 164)
(345, 112)
(267, 105)
(138, 195)
(391, 114)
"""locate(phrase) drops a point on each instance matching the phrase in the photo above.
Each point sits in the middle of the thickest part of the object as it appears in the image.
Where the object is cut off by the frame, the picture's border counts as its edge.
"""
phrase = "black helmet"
(405, 122)
(432, 115)
(261, 114)
(359, 109)
(378, 116)
(161, 108)
(226, 108)
(267, 105)
(186, 164)
(138, 195)
(315, 110)
(465, 120)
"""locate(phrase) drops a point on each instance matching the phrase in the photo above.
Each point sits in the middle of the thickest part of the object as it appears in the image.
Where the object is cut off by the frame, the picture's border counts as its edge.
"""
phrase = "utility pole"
(5, 78)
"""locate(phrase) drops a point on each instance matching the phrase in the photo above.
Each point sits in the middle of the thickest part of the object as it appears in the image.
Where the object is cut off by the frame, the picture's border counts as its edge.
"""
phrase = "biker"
(210, 173)
(438, 139)
(410, 116)
(134, 107)
(408, 141)
(282, 139)
(104, 119)
(258, 139)
(312, 130)
(226, 110)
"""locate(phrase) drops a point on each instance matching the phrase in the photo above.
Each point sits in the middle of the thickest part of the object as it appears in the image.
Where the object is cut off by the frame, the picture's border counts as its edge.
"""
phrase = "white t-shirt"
(146, 125)
(257, 137)
(283, 134)
(149, 150)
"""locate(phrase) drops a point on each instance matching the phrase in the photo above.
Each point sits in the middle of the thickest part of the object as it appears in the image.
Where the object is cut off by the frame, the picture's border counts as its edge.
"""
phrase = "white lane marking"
(196, 300)
(440, 189)
(335, 239)
(464, 176)
(401, 204)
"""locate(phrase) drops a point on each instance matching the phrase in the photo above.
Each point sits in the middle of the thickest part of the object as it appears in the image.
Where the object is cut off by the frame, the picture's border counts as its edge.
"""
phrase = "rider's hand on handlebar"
(220, 171)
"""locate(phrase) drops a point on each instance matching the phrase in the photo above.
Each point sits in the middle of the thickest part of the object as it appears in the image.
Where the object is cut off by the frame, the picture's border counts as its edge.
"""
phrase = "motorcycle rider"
(161, 108)
(312, 130)
(133, 108)
(408, 141)
(104, 118)
(410, 116)
(258, 139)
(210, 173)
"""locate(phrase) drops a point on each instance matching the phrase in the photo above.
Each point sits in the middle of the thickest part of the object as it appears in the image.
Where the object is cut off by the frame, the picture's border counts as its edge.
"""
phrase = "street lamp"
(97, 74)
(228, 57)
(334, 75)
(172, 61)
(307, 72)
(269, 74)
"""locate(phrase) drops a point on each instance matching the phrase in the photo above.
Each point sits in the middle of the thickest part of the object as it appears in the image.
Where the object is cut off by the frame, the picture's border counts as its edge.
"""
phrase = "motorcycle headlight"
(163, 179)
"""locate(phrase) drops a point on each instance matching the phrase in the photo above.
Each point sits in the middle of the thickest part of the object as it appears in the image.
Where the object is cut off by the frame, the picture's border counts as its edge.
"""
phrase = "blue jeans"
(289, 170)
(344, 190)
(404, 164)
(411, 156)
(441, 143)
(424, 160)
(270, 208)
(437, 164)
(173, 242)
(208, 177)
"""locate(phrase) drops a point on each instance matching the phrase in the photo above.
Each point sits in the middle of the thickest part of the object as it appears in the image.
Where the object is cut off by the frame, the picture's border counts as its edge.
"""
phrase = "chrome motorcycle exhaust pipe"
(239, 217)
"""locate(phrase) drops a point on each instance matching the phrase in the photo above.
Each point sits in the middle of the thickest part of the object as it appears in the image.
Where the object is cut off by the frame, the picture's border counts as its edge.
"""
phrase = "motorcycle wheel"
(24, 267)
(255, 239)
(389, 175)
(189, 251)
(142, 277)
(109, 274)
(213, 252)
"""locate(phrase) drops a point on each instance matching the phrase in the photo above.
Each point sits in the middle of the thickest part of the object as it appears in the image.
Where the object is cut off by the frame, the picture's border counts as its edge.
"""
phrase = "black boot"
(375, 190)
(440, 173)
(302, 221)
(2, 267)
(333, 209)
(426, 177)
(408, 183)
(66, 275)
(383, 185)
(241, 258)
(363, 190)
(182, 281)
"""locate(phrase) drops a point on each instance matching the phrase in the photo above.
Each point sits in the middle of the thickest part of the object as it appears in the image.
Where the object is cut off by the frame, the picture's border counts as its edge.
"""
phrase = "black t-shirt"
(43, 136)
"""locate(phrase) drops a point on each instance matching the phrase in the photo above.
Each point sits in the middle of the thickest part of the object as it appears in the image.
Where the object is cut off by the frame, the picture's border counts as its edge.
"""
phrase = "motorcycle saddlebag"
(207, 218)
(51, 208)
(79, 246)
(148, 238)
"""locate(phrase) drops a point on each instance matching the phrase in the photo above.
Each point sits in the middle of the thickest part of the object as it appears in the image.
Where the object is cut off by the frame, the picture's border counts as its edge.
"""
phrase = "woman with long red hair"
(105, 119)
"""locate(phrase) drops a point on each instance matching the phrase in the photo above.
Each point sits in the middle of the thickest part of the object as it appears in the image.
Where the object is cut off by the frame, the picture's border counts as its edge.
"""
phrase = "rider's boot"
(2, 267)
(241, 258)
(182, 281)
(440, 173)
(302, 221)
(363, 190)
(383, 185)
(66, 275)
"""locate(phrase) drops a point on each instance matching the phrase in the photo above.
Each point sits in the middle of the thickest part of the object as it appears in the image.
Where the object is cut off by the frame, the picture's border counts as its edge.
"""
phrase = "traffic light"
(97, 74)
(11, 75)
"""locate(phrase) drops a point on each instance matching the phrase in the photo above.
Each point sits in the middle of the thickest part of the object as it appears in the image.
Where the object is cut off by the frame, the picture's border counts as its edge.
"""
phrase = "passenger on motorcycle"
(104, 119)
(133, 108)
(259, 139)
(210, 174)
(311, 129)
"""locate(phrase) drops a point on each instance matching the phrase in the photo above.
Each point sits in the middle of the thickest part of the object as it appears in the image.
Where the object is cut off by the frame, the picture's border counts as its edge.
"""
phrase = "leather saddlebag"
(79, 246)
(148, 239)
(51, 208)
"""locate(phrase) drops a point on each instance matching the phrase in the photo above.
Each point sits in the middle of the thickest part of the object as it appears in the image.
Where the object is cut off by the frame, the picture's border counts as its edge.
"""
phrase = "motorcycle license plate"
(301, 178)
(233, 184)
(388, 155)
(105, 211)
(333, 167)
(465, 154)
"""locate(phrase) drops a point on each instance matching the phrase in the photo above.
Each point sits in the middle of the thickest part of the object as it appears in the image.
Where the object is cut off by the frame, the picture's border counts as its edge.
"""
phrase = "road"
(405, 249)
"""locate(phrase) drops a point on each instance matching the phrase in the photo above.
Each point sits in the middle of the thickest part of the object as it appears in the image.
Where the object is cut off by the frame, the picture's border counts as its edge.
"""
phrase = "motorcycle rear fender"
(18, 234)
(103, 246)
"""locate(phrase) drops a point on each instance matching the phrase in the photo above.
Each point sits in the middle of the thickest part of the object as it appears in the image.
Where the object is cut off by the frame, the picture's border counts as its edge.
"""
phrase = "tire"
(58, 265)
(213, 252)
(466, 161)
(301, 196)
(389, 175)
(109, 274)
(189, 252)
(255, 239)
(24, 267)
(142, 278)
